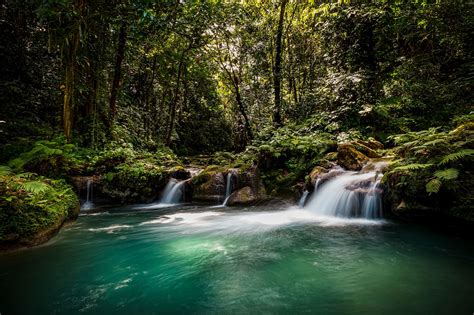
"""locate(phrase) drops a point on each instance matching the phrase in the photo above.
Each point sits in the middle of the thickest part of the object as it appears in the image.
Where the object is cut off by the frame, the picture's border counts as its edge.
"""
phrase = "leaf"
(447, 174)
(5, 170)
(412, 167)
(461, 154)
(34, 187)
(433, 186)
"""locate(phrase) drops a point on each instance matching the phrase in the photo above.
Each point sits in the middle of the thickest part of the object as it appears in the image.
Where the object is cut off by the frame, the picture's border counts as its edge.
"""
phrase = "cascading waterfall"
(303, 199)
(228, 188)
(88, 204)
(350, 194)
(173, 192)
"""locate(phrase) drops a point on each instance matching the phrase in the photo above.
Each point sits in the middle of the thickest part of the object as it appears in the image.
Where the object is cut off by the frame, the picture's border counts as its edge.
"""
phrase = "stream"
(199, 259)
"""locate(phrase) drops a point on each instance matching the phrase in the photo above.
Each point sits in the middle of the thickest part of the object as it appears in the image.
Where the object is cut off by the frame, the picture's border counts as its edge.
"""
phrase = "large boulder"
(245, 196)
(362, 147)
(350, 158)
(371, 143)
(209, 185)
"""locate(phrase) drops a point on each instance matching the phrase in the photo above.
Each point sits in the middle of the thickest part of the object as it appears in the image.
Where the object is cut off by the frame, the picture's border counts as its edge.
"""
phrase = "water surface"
(204, 260)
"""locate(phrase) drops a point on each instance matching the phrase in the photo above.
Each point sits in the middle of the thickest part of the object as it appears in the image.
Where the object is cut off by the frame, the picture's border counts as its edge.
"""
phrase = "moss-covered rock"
(32, 210)
(136, 182)
(372, 144)
(361, 147)
(243, 196)
(209, 185)
(350, 158)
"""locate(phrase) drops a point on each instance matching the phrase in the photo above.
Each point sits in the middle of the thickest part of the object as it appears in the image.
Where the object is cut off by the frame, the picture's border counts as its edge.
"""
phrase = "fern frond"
(433, 186)
(34, 187)
(461, 154)
(5, 170)
(412, 167)
(435, 142)
(447, 174)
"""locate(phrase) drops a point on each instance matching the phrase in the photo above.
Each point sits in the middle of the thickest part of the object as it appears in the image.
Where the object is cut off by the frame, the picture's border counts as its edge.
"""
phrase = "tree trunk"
(175, 101)
(122, 39)
(238, 98)
(69, 82)
(277, 68)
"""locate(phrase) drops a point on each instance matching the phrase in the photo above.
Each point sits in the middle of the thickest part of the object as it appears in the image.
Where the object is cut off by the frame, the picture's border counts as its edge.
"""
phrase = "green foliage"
(31, 204)
(412, 167)
(434, 167)
(456, 156)
(447, 174)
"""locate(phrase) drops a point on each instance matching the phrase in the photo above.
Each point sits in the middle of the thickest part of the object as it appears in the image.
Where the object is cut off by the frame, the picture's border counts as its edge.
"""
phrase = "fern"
(412, 167)
(433, 186)
(5, 170)
(435, 142)
(34, 187)
(447, 174)
(459, 155)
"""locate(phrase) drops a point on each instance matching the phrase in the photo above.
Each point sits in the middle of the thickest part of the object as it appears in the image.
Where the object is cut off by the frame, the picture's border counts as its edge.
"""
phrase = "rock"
(349, 158)
(331, 156)
(180, 173)
(361, 147)
(209, 185)
(315, 174)
(372, 144)
(243, 196)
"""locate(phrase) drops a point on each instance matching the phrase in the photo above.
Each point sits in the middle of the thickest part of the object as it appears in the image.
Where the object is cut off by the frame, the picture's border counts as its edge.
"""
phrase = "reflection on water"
(191, 259)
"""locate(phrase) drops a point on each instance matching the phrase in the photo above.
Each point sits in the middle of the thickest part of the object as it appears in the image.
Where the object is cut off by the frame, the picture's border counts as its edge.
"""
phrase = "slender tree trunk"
(69, 82)
(175, 101)
(122, 39)
(238, 98)
(277, 68)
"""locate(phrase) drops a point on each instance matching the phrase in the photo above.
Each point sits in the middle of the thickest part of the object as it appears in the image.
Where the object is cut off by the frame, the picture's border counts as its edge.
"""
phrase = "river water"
(196, 259)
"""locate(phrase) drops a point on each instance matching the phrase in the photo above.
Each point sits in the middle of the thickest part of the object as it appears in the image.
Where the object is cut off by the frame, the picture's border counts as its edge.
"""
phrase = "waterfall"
(88, 204)
(350, 194)
(303, 199)
(228, 188)
(173, 192)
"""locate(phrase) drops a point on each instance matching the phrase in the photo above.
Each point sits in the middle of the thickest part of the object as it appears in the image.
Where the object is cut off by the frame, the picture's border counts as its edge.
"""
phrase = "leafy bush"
(434, 167)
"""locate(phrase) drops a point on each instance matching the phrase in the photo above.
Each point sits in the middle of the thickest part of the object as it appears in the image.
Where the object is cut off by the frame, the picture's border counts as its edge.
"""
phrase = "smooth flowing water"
(201, 260)
(350, 194)
(228, 188)
(88, 204)
(173, 192)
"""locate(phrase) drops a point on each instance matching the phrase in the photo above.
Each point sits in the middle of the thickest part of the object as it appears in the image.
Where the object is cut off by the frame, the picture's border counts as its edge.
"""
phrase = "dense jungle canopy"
(207, 76)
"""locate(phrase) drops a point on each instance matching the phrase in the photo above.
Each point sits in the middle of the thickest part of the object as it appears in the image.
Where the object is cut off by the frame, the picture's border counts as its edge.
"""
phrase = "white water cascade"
(303, 199)
(228, 188)
(173, 192)
(88, 204)
(349, 195)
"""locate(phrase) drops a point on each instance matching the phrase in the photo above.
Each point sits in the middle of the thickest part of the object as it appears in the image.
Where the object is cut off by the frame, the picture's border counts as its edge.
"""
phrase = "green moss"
(207, 174)
(29, 205)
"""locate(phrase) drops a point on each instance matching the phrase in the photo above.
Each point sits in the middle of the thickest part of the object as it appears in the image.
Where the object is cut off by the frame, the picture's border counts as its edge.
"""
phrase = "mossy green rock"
(315, 174)
(209, 185)
(245, 196)
(363, 147)
(33, 210)
(350, 158)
